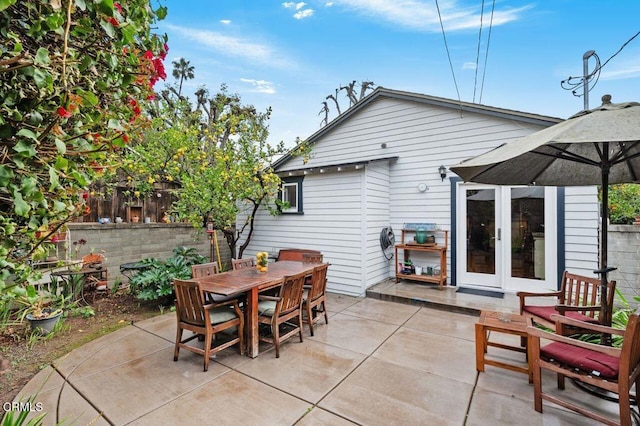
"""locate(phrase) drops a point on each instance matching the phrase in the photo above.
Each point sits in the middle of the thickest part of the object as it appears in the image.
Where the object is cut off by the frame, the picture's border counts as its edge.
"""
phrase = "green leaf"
(25, 148)
(54, 180)
(106, 7)
(80, 4)
(108, 28)
(129, 33)
(27, 134)
(90, 97)
(42, 78)
(55, 21)
(21, 208)
(62, 147)
(161, 12)
(5, 4)
(42, 57)
(59, 206)
(6, 174)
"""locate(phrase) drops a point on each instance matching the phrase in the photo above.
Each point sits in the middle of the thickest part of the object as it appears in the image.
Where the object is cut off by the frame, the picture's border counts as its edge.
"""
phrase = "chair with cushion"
(314, 302)
(578, 298)
(208, 320)
(243, 263)
(278, 311)
(612, 369)
(211, 268)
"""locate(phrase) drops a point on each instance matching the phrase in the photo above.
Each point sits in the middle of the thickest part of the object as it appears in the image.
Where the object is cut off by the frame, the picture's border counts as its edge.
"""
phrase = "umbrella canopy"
(595, 147)
(571, 153)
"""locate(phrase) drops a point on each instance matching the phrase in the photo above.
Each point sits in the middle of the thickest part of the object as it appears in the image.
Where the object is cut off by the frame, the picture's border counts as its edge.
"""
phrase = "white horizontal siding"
(331, 223)
(377, 210)
(581, 229)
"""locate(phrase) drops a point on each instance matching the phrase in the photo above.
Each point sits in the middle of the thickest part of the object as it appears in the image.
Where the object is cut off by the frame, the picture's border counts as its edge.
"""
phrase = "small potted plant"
(39, 310)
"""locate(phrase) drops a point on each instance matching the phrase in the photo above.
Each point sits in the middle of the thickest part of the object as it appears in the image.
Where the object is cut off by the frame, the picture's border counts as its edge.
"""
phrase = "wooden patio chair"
(277, 311)
(578, 298)
(312, 257)
(295, 254)
(248, 262)
(96, 275)
(314, 303)
(211, 268)
(613, 369)
(205, 319)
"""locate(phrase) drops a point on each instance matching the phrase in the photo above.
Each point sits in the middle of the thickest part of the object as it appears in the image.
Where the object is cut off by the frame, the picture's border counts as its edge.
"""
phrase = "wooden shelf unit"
(439, 250)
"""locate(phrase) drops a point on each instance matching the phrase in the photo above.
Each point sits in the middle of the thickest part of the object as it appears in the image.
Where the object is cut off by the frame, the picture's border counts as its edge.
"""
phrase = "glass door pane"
(481, 225)
(527, 233)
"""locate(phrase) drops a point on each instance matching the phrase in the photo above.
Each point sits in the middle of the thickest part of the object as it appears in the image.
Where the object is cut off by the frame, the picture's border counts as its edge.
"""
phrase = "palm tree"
(182, 70)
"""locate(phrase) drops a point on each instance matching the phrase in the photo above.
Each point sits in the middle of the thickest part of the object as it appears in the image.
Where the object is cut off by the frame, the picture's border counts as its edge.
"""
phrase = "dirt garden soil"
(22, 356)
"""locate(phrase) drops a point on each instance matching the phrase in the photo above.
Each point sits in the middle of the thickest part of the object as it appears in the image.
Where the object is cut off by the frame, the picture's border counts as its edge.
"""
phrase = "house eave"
(328, 168)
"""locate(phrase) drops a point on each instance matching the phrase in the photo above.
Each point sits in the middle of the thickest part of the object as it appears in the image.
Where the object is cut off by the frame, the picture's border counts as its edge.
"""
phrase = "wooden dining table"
(251, 282)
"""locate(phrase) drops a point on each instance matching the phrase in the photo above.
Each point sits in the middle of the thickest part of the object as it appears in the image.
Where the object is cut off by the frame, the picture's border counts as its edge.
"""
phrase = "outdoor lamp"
(443, 172)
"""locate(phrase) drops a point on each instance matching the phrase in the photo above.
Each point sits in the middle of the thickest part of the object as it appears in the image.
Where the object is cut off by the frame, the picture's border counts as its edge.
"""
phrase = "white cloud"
(469, 66)
(303, 14)
(423, 15)
(234, 46)
(260, 86)
(225, 21)
(329, 4)
(294, 5)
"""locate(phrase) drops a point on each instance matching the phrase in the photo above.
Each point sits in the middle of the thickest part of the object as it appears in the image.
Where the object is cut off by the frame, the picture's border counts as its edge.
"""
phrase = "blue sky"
(291, 55)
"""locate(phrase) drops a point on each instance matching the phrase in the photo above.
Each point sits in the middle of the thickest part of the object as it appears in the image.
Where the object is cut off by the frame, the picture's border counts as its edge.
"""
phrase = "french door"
(506, 237)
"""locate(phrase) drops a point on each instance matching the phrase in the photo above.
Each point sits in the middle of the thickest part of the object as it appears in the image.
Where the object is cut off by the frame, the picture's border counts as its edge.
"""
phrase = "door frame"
(554, 246)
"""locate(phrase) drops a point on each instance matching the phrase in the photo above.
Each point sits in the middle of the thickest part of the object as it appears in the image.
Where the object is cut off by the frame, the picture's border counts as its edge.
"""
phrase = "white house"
(377, 165)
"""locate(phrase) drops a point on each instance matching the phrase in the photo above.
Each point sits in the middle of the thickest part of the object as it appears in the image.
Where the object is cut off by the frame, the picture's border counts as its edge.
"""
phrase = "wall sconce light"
(443, 172)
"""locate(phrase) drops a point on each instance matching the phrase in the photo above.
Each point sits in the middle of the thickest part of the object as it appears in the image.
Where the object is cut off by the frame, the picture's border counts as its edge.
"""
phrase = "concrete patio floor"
(376, 363)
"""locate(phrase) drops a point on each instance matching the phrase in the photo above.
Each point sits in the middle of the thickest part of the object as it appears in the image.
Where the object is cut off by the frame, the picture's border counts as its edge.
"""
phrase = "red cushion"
(546, 312)
(596, 363)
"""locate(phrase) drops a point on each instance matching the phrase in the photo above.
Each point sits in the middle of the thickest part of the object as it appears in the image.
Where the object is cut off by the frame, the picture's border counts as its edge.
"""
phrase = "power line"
(486, 56)
(448, 54)
(475, 78)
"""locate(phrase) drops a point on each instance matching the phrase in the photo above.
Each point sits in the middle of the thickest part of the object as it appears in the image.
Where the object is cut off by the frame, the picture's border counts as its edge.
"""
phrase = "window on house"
(291, 193)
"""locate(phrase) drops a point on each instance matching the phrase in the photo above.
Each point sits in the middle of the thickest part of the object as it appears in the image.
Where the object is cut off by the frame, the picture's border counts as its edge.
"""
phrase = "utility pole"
(586, 76)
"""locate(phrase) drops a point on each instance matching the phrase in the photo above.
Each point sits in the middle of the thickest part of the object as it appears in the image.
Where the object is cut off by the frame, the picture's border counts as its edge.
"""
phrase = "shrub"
(624, 203)
(156, 282)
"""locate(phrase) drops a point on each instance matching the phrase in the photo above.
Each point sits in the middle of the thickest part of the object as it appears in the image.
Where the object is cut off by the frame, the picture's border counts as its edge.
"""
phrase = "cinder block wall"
(624, 254)
(129, 242)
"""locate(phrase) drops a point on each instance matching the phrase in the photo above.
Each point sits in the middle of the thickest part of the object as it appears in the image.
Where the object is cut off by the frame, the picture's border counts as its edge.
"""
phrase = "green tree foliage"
(624, 203)
(74, 77)
(217, 152)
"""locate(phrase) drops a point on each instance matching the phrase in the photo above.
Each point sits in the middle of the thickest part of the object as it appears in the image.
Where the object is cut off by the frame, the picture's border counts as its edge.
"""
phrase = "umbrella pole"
(604, 232)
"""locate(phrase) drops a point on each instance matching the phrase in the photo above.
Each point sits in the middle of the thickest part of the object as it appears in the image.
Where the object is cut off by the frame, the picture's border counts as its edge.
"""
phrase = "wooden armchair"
(315, 301)
(613, 369)
(578, 298)
(277, 311)
(243, 263)
(205, 319)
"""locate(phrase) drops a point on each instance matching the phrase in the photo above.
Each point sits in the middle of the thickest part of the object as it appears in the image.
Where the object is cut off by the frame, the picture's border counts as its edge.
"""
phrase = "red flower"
(118, 6)
(151, 97)
(125, 138)
(63, 112)
(85, 195)
(113, 21)
(86, 211)
(148, 55)
(132, 102)
(136, 110)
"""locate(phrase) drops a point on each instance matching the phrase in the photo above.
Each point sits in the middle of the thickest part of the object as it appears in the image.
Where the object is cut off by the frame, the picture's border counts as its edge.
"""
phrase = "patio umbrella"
(600, 146)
